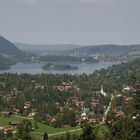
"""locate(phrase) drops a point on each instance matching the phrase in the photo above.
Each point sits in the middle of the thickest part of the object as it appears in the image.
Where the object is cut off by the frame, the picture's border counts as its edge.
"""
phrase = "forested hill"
(107, 49)
(4, 63)
(6, 47)
(46, 47)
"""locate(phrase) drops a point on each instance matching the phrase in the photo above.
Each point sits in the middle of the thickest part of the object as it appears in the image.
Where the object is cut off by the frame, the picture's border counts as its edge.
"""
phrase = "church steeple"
(102, 91)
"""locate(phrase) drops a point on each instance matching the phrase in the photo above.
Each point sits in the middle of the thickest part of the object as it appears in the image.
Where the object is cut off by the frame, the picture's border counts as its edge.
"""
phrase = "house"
(14, 124)
(6, 113)
(16, 111)
(27, 105)
(66, 86)
(1, 127)
(53, 120)
(33, 81)
(84, 116)
(119, 95)
(94, 103)
(119, 114)
(7, 130)
(37, 86)
(126, 88)
(76, 89)
(86, 110)
(32, 114)
(93, 120)
(126, 99)
(78, 102)
(135, 116)
(78, 121)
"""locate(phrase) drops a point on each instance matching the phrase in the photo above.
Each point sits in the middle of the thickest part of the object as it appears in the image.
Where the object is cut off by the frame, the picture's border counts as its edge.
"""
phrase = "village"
(97, 112)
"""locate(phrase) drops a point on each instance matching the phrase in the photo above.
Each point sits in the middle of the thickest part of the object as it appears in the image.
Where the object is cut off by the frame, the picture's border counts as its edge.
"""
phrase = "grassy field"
(37, 133)
(4, 121)
(52, 131)
(101, 130)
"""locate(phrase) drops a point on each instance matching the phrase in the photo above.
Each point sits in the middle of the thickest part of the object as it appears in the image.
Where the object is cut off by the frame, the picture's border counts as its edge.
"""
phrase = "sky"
(84, 22)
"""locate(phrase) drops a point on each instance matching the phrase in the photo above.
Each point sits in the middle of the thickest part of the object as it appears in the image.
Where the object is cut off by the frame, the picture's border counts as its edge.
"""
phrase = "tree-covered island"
(51, 66)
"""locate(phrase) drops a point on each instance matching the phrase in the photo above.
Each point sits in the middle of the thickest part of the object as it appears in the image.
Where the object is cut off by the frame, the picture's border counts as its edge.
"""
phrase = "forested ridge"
(7, 47)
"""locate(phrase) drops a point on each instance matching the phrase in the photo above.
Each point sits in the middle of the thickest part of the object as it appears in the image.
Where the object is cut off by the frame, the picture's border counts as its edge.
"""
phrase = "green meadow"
(37, 133)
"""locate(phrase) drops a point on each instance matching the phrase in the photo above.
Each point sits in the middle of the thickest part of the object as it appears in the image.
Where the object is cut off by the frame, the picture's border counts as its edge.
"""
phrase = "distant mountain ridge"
(45, 47)
(71, 48)
(7, 47)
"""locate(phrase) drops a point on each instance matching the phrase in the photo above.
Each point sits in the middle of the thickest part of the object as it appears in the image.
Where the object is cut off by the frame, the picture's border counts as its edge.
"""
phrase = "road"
(70, 131)
(22, 117)
(59, 133)
(108, 108)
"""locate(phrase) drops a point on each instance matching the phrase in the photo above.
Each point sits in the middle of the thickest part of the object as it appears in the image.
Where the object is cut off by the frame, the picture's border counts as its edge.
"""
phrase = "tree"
(102, 132)
(137, 99)
(45, 137)
(2, 135)
(24, 130)
(69, 116)
(88, 132)
(35, 124)
(125, 129)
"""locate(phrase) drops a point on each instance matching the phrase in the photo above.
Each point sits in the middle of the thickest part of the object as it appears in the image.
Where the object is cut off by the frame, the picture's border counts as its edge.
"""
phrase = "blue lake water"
(36, 68)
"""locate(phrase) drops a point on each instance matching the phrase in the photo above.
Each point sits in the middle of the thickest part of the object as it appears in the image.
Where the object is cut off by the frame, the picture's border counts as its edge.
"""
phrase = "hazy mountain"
(7, 47)
(46, 47)
(71, 49)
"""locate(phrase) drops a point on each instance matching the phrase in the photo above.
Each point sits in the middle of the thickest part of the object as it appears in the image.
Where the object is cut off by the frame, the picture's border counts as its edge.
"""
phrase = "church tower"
(102, 91)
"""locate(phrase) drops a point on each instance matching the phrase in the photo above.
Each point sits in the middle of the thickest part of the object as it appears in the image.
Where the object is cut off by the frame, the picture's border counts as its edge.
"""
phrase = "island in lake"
(51, 66)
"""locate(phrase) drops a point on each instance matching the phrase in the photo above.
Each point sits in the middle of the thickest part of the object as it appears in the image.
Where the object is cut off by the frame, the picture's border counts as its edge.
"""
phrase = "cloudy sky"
(71, 21)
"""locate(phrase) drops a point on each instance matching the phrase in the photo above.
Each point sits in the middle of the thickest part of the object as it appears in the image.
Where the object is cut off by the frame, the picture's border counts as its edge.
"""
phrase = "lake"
(36, 68)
